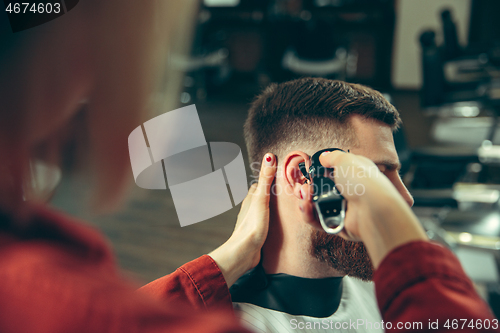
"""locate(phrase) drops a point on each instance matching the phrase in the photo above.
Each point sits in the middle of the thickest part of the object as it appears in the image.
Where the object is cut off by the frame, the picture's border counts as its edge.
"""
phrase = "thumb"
(266, 177)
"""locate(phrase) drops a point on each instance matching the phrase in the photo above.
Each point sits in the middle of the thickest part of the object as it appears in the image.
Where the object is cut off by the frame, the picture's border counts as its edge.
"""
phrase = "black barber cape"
(280, 303)
(289, 294)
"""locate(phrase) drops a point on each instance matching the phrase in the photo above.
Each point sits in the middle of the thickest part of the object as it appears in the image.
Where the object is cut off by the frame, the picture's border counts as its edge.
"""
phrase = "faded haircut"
(310, 113)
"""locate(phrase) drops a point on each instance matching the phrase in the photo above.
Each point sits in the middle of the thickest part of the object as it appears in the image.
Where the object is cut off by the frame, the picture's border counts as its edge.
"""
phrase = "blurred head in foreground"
(295, 119)
(101, 54)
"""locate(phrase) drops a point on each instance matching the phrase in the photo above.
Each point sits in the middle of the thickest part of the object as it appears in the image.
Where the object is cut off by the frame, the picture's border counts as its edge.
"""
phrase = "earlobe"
(292, 173)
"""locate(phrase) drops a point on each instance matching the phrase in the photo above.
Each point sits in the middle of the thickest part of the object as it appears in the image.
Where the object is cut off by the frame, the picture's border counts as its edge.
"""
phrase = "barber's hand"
(367, 190)
(376, 213)
(241, 251)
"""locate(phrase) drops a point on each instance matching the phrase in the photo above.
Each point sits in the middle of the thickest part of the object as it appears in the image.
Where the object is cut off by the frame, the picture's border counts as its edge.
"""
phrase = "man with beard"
(308, 280)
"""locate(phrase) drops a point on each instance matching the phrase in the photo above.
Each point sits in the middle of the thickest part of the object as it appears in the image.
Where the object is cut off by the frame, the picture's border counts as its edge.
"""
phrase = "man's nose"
(406, 194)
(400, 186)
(408, 197)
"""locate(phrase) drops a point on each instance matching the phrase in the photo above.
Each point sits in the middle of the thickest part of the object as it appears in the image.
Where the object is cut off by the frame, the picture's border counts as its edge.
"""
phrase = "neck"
(288, 247)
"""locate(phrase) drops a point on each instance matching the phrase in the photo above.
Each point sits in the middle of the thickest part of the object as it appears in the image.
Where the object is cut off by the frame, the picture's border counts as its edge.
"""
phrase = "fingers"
(252, 188)
(339, 159)
(259, 192)
(331, 159)
(251, 191)
(266, 178)
(248, 199)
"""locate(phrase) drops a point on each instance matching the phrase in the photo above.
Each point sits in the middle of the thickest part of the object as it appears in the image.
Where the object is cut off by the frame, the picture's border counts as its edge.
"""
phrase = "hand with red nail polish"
(241, 251)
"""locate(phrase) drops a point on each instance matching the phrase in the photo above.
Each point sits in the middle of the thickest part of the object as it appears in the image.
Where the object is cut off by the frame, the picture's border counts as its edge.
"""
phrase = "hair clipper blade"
(329, 204)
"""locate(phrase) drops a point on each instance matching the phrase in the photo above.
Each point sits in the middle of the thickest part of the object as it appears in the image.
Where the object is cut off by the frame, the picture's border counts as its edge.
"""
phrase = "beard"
(347, 257)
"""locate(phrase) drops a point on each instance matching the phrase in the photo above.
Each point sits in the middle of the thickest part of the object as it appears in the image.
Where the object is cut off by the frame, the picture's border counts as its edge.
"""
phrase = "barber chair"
(209, 65)
(454, 184)
(464, 216)
(456, 189)
(313, 52)
(455, 177)
(313, 49)
(431, 173)
(459, 87)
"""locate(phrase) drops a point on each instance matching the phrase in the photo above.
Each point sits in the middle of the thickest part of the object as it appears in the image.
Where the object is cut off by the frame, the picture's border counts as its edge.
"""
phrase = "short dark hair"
(309, 111)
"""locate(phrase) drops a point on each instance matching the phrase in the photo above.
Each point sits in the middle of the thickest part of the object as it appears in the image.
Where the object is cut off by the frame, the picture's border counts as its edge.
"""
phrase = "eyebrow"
(389, 165)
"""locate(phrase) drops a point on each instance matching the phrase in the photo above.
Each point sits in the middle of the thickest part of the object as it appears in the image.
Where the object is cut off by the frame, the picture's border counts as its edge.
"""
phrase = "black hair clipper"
(330, 206)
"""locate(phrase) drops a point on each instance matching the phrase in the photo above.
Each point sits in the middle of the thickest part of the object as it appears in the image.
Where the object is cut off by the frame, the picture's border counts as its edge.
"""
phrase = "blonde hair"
(112, 53)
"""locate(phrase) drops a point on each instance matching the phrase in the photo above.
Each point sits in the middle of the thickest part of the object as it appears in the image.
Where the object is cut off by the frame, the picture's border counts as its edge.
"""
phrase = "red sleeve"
(59, 276)
(423, 282)
(199, 282)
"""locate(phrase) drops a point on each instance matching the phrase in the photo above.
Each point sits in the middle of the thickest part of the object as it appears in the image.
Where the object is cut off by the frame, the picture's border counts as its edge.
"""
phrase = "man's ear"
(292, 174)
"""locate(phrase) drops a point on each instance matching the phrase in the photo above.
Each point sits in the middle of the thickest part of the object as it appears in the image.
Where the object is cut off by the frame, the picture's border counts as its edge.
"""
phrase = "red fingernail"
(302, 194)
(269, 160)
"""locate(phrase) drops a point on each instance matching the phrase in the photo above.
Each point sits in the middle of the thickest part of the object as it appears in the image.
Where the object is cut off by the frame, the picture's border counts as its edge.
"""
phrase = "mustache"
(347, 257)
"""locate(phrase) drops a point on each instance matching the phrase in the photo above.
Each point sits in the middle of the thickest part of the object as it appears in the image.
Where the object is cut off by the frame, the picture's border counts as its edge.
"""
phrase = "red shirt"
(60, 276)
